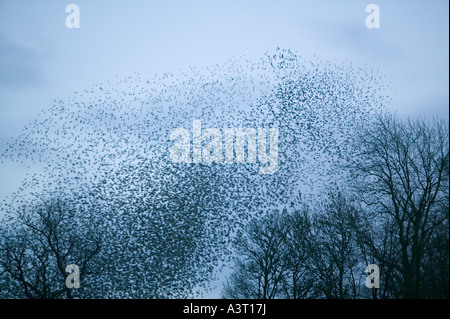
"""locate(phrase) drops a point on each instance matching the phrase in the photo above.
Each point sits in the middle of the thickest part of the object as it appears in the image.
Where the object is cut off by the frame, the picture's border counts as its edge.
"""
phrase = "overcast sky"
(42, 60)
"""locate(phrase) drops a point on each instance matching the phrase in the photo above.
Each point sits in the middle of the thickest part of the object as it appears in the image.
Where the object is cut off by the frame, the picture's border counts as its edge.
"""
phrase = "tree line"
(392, 211)
(107, 197)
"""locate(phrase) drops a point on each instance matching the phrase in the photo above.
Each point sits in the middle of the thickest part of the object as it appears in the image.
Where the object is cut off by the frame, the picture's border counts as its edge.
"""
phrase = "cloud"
(20, 66)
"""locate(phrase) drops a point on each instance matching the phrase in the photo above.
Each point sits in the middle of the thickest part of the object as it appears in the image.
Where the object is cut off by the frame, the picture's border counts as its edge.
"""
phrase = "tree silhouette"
(403, 169)
(38, 243)
(169, 224)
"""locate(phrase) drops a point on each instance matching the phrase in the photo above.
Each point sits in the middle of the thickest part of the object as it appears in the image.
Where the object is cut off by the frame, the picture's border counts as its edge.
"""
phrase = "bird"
(109, 144)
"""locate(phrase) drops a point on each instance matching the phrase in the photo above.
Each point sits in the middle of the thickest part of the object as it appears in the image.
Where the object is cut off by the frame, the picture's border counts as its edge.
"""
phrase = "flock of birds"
(110, 142)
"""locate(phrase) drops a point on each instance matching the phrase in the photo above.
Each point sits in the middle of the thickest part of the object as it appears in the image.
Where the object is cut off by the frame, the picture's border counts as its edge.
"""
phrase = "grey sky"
(41, 60)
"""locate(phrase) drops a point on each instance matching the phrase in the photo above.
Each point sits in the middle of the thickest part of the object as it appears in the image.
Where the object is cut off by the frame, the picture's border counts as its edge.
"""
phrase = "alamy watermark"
(211, 145)
(373, 279)
(73, 279)
(373, 19)
(73, 19)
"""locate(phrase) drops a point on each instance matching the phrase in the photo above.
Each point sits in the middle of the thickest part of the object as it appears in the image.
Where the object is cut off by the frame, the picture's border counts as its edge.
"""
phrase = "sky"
(42, 60)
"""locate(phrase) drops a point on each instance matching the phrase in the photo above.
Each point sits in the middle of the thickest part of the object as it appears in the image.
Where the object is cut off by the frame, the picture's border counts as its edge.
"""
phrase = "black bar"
(224, 308)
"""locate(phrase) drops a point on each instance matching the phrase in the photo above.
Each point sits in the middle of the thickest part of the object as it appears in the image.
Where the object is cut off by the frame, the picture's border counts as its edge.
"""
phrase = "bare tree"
(436, 260)
(298, 282)
(403, 171)
(273, 258)
(337, 260)
(38, 242)
(261, 268)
